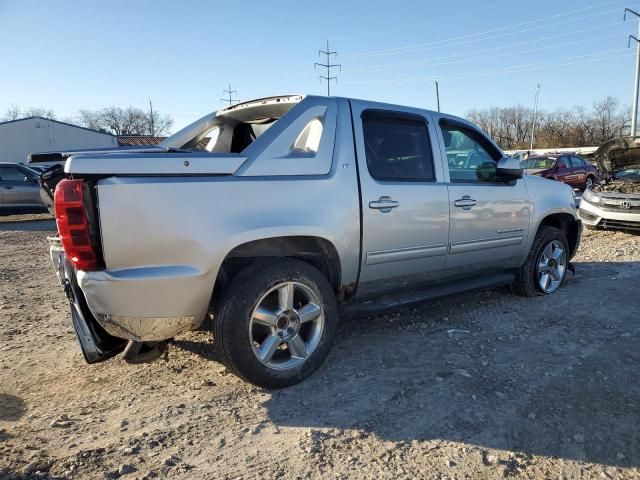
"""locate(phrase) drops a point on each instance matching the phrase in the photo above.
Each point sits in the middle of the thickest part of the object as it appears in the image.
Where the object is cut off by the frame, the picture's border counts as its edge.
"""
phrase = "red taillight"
(73, 226)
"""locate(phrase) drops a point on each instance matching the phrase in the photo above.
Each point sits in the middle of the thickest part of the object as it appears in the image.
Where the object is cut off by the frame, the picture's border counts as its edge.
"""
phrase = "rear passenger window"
(397, 146)
(577, 162)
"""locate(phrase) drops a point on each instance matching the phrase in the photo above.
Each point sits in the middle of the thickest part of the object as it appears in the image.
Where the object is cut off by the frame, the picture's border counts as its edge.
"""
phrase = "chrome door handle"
(384, 204)
(466, 202)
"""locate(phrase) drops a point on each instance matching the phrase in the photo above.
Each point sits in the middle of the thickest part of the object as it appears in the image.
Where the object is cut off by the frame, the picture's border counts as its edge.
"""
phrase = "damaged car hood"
(617, 154)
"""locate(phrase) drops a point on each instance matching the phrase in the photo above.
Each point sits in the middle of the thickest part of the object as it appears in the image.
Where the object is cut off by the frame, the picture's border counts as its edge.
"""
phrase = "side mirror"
(562, 165)
(509, 168)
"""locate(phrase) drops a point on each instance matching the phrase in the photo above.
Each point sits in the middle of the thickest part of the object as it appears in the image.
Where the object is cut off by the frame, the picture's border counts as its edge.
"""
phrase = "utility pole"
(153, 130)
(438, 95)
(636, 84)
(230, 93)
(535, 113)
(328, 66)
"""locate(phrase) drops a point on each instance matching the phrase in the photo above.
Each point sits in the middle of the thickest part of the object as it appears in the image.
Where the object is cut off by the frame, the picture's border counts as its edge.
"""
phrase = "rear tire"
(549, 242)
(275, 322)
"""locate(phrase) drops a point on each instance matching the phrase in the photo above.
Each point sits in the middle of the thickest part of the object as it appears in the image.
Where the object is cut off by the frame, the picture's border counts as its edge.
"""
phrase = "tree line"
(509, 126)
(576, 127)
(114, 120)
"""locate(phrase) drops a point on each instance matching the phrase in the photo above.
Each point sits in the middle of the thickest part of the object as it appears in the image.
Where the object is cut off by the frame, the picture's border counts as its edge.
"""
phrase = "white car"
(615, 202)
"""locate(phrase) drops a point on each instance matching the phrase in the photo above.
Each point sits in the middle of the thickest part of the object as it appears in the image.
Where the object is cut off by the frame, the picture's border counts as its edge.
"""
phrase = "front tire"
(589, 182)
(546, 266)
(275, 323)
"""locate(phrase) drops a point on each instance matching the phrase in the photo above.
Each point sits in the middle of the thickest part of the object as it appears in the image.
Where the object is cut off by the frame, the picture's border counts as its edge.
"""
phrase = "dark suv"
(567, 168)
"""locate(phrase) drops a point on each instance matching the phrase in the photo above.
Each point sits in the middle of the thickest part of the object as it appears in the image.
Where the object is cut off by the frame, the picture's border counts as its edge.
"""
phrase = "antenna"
(328, 66)
(229, 92)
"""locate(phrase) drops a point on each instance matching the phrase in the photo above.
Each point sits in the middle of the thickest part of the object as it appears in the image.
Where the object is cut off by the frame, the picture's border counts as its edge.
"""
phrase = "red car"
(566, 167)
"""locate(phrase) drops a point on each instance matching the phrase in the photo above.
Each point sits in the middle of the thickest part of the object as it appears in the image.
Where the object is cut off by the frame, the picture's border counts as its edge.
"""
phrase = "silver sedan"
(19, 189)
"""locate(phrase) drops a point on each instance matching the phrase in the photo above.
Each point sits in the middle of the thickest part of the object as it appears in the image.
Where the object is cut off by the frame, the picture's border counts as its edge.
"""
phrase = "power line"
(230, 93)
(484, 35)
(457, 16)
(473, 54)
(328, 66)
(501, 70)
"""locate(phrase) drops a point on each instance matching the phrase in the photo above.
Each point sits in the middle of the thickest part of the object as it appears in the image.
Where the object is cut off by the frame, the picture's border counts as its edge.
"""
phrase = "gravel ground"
(480, 385)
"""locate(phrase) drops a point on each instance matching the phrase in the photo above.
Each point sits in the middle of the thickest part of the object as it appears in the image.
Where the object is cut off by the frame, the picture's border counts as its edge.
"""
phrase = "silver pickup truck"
(276, 216)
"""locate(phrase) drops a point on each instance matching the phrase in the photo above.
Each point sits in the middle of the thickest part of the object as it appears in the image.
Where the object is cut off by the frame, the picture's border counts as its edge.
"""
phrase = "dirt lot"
(480, 385)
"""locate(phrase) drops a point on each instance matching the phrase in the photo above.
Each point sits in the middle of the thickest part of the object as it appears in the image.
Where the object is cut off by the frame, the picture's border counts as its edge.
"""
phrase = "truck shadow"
(12, 408)
(555, 376)
(42, 223)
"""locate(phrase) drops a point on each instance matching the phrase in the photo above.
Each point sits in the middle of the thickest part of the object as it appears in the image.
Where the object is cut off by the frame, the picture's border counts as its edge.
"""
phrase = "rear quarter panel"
(192, 223)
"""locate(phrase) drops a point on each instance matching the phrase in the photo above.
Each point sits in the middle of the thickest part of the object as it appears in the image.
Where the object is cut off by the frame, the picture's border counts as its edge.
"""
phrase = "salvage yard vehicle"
(567, 168)
(614, 203)
(277, 215)
(19, 189)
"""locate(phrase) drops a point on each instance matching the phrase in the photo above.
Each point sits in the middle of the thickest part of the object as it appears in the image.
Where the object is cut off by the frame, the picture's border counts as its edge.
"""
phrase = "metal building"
(19, 138)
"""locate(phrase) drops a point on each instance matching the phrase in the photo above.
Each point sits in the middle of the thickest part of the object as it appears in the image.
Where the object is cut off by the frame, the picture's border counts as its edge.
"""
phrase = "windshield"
(538, 163)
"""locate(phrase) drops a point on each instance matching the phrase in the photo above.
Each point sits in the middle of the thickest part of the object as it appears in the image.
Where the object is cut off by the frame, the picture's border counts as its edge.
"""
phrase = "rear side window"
(397, 146)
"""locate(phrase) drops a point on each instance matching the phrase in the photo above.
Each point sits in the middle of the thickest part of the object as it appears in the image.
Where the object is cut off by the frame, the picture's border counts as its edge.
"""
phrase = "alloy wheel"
(552, 266)
(286, 325)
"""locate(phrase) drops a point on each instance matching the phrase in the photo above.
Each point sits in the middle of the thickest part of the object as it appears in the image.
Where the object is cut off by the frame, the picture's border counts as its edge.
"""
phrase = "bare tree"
(39, 112)
(12, 113)
(127, 121)
(161, 124)
(511, 126)
(88, 119)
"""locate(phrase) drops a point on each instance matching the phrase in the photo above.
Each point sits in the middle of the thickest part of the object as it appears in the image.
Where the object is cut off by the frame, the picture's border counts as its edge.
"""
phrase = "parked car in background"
(274, 214)
(571, 169)
(615, 202)
(38, 169)
(19, 189)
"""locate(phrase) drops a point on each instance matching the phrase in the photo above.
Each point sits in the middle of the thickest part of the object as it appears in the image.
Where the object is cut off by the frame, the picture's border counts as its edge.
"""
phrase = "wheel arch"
(568, 225)
(316, 251)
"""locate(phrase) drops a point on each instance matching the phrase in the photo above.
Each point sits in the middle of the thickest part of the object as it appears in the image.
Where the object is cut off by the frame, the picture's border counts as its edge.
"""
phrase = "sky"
(71, 55)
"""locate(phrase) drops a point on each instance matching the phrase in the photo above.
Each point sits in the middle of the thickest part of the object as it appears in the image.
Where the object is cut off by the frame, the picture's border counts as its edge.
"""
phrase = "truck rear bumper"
(147, 329)
(147, 304)
(96, 344)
